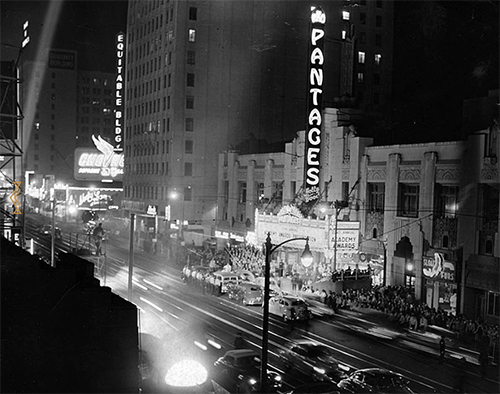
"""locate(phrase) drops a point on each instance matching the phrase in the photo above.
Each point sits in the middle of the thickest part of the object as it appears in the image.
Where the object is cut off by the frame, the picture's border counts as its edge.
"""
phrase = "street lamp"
(306, 259)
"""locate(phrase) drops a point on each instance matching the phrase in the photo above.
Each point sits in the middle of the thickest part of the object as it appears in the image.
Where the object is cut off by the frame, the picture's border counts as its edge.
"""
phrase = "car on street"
(315, 388)
(247, 293)
(313, 359)
(47, 230)
(239, 371)
(289, 307)
(375, 380)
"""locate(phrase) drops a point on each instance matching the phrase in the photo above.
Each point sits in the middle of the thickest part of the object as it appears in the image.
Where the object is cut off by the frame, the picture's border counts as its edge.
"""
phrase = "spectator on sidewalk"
(442, 349)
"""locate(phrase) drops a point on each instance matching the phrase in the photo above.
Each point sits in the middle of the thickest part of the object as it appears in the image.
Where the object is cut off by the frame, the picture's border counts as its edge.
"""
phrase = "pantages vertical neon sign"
(314, 109)
(120, 88)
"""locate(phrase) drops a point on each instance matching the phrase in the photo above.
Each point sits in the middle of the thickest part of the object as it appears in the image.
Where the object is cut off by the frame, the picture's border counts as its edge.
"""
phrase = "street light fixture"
(306, 259)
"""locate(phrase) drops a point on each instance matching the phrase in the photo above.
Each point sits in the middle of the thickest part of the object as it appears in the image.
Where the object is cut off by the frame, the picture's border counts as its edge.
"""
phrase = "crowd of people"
(399, 304)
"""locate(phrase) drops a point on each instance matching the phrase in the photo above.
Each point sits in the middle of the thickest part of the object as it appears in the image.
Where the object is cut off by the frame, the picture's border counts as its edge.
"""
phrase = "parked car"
(289, 308)
(314, 359)
(375, 380)
(239, 371)
(223, 279)
(247, 293)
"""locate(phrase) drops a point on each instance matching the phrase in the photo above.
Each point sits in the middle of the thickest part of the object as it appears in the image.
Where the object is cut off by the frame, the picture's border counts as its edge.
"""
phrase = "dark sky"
(86, 26)
(444, 52)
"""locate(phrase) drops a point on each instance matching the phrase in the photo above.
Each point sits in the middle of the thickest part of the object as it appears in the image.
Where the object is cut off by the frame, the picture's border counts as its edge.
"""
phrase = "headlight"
(252, 381)
(319, 370)
(277, 378)
(344, 367)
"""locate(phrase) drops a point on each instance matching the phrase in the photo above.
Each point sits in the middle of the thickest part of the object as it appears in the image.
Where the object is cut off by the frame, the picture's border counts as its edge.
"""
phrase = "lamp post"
(270, 249)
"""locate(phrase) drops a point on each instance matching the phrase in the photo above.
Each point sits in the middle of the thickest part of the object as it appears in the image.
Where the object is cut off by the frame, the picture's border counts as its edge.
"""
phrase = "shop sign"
(152, 210)
(438, 269)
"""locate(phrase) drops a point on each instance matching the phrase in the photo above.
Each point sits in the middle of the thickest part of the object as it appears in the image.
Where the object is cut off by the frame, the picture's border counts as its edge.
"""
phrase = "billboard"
(102, 163)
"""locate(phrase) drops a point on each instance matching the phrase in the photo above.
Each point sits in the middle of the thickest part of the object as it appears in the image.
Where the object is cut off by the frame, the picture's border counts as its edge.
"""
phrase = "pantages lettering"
(314, 116)
(120, 51)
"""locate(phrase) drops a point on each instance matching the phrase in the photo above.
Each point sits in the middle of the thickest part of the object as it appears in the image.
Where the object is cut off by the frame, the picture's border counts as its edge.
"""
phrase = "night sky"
(444, 52)
(86, 26)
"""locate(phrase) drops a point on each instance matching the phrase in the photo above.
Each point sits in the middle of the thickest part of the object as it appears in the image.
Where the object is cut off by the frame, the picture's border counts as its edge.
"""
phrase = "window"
(344, 34)
(189, 124)
(260, 191)
(361, 77)
(493, 304)
(361, 57)
(188, 193)
(277, 192)
(36, 157)
(362, 18)
(192, 13)
(378, 40)
(378, 21)
(446, 201)
(379, 3)
(346, 15)
(378, 58)
(191, 57)
(192, 35)
(190, 102)
(188, 146)
(376, 197)
(190, 79)
(188, 169)
(242, 192)
(37, 136)
(408, 200)
(362, 38)
(376, 79)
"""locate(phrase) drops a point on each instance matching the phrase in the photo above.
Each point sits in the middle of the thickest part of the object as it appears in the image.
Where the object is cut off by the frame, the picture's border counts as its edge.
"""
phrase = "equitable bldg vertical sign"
(120, 89)
(314, 108)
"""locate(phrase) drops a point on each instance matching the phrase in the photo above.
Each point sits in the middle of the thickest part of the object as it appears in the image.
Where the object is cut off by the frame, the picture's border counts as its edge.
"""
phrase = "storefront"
(440, 282)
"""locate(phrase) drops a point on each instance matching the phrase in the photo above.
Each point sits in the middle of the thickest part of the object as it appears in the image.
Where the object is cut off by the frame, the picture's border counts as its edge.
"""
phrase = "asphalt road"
(174, 315)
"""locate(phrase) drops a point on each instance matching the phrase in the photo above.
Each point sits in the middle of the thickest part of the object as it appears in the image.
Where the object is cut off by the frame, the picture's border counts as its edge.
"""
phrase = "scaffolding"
(11, 152)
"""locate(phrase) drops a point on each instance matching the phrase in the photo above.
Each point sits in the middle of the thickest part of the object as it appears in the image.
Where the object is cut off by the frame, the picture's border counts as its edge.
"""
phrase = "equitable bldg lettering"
(120, 46)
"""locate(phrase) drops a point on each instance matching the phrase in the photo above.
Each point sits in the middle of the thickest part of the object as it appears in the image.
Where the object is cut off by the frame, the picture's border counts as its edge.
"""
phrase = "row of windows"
(37, 127)
(94, 81)
(96, 91)
(362, 58)
(151, 25)
(154, 127)
(154, 192)
(156, 168)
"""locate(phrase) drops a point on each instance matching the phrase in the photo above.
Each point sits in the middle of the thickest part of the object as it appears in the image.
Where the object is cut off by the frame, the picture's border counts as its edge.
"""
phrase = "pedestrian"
(239, 341)
(293, 317)
(98, 234)
(483, 355)
(442, 349)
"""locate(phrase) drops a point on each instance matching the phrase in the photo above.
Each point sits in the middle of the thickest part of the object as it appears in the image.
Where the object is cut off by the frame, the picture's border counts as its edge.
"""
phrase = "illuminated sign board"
(98, 164)
(438, 268)
(120, 89)
(62, 59)
(314, 110)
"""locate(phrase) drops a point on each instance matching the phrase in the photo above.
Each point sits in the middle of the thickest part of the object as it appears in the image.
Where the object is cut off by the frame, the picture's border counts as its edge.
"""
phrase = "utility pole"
(131, 256)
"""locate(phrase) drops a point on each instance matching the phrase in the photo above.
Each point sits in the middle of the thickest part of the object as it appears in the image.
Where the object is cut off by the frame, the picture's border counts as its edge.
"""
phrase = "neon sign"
(120, 46)
(103, 163)
(314, 113)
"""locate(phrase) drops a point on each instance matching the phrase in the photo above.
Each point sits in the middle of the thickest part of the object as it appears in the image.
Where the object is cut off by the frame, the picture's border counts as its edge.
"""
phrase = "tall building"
(206, 76)
(65, 107)
(95, 107)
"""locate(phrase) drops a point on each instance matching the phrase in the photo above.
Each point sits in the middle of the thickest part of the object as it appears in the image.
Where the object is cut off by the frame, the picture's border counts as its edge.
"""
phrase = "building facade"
(202, 77)
(416, 205)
